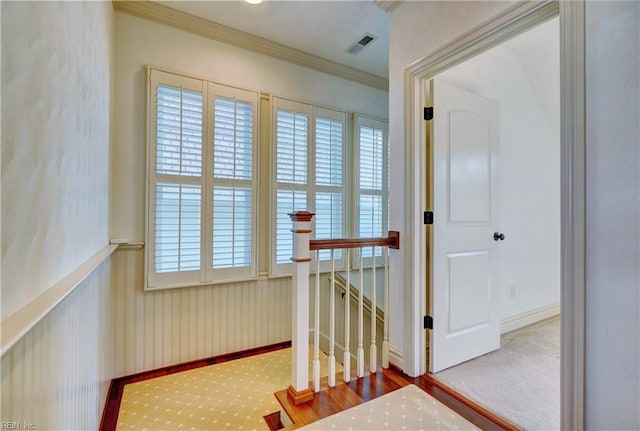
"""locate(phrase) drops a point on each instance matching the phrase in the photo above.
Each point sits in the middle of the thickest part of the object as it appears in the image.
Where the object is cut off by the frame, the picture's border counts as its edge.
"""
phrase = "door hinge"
(428, 217)
(428, 322)
(428, 113)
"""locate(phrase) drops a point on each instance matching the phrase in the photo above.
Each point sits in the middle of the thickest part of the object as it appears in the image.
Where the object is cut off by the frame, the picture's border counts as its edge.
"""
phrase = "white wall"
(528, 162)
(56, 99)
(55, 142)
(159, 328)
(613, 215)
(613, 184)
(418, 29)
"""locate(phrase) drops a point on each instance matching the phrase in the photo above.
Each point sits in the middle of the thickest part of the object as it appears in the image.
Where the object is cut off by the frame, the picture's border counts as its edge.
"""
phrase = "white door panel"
(464, 301)
(469, 168)
(469, 291)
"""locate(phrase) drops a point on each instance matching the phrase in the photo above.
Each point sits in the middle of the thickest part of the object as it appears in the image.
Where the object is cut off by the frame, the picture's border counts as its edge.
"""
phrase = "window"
(372, 181)
(309, 165)
(201, 181)
(203, 177)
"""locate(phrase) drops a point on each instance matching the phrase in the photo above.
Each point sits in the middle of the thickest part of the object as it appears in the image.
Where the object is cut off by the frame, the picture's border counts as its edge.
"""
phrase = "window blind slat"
(329, 216)
(291, 147)
(177, 227)
(178, 131)
(233, 139)
(287, 201)
(232, 227)
(329, 152)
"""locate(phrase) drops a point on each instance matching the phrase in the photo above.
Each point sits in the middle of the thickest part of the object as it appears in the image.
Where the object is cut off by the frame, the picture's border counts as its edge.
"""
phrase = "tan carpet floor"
(232, 395)
(521, 381)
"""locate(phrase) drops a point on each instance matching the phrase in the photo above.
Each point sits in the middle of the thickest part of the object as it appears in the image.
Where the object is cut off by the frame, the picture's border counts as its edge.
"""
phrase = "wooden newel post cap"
(301, 216)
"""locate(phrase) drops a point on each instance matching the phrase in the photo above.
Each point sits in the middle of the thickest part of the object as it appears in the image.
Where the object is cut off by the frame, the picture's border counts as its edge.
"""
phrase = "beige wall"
(56, 94)
(160, 328)
(56, 100)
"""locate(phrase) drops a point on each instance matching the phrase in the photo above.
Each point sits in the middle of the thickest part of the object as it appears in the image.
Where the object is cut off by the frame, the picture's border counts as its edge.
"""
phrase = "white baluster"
(385, 340)
(299, 391)
(346, 362)
(360, 351)
(316, 328)
(332, 325)
(373, 353)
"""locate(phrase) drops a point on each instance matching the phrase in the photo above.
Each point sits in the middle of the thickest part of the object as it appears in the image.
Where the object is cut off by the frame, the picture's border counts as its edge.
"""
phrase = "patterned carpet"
(408, 408)
(233, 395)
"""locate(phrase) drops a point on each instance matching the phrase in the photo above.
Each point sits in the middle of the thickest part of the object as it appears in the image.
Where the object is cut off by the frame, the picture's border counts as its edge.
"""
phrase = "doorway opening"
(493, 274)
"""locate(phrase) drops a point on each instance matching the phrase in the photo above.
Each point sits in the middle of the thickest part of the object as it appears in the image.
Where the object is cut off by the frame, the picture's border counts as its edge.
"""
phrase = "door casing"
(513, 21)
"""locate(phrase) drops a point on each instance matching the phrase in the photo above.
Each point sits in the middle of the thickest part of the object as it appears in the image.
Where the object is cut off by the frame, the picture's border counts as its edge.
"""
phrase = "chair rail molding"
(22, 321)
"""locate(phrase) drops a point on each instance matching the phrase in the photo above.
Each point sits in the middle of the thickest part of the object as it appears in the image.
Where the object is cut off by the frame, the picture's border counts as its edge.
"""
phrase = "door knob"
(498, 236)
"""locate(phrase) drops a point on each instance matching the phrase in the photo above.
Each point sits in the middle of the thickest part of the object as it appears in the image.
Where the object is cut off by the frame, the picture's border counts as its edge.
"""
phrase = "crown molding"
(171, 17)
(387, 5)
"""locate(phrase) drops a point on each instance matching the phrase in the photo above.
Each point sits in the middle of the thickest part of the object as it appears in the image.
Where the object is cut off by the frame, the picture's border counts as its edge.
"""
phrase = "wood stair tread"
(344, 395)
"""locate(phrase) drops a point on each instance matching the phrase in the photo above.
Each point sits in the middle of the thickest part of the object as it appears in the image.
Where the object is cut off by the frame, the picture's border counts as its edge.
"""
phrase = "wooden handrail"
(391, 241)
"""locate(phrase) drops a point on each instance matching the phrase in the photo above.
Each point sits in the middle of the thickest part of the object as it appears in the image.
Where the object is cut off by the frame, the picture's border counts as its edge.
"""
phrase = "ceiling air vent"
(359, 45)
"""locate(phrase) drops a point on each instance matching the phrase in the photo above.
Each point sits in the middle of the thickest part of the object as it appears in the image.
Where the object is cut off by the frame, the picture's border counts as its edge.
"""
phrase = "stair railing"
(299, 391)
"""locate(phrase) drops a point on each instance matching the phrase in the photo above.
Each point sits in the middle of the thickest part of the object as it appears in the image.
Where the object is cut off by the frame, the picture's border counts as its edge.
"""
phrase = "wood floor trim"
(504, 424)
(346, 395)
(468, 403)
(113, 401)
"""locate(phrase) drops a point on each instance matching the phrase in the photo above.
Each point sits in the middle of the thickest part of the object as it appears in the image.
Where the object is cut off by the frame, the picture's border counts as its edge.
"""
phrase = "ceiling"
(324, 28)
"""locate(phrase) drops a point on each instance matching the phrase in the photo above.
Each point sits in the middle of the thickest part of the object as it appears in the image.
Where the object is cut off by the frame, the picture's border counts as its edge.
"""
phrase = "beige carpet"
(521, 381)
(232, 395)
(408, 408)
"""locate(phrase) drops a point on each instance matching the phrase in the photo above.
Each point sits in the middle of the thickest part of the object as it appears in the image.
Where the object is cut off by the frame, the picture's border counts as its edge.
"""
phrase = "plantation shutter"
(292, 176)
(202, 182)
(175, 179)
(329, 177)
(372, 183)
(233, 241)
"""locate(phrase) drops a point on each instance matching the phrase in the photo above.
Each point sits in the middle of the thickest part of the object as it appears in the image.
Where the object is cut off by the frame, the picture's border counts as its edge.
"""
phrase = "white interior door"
(464, 292)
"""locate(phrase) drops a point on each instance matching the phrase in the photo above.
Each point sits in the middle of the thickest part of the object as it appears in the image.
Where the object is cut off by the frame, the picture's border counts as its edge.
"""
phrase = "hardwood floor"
(345, 395)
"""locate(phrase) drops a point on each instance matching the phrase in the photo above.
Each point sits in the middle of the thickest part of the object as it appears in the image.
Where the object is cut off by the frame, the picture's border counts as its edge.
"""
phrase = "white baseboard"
(528, 318)
(395, 357)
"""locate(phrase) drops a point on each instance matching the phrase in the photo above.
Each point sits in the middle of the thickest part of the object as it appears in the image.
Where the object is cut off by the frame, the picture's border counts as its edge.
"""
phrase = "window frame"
(206, 274)
(277, 269)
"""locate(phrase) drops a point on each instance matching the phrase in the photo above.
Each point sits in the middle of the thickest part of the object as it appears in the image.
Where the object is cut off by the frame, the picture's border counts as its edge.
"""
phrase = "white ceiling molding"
(202, 27)
(387, 5)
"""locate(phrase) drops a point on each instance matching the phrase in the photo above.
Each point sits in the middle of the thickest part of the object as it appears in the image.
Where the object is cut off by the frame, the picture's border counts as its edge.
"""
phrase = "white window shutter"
(202, 182)
(373, 182)
(234, 184)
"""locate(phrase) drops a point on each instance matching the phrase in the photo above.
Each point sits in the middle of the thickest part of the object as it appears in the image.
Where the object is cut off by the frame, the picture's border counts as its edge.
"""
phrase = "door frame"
(512, 21)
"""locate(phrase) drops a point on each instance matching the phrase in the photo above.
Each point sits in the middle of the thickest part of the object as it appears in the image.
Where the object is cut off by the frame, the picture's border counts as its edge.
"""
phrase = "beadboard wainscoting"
(155, 329)
(57, 375)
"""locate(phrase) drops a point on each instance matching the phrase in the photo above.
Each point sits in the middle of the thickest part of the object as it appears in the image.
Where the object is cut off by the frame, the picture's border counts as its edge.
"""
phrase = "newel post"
(299, 391)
